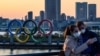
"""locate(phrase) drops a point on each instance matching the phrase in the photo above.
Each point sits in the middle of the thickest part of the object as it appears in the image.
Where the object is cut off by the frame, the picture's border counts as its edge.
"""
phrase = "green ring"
(40, 39)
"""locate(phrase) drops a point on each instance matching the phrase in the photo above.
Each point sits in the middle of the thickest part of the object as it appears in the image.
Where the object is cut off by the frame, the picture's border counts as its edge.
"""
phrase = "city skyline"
(19, 8)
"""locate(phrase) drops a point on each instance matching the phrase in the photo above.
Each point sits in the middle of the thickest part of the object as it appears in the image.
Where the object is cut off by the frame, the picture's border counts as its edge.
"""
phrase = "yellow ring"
(17, 38)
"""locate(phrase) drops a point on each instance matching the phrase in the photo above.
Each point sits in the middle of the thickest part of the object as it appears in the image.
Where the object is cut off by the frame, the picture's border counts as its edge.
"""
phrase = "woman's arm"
(82, 47)
(64, 47)
(79, 49)
(70, 46)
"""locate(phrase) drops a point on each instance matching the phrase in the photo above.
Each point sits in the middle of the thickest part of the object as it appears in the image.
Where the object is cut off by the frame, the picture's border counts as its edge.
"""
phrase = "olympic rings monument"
(29, 33)
(21, 36)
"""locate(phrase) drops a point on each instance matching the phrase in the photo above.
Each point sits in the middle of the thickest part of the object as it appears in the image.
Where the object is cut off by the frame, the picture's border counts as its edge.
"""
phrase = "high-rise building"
(26, 18)
(42, 14)
(63, 17)
(52, 9)
(37, 19)
(30, 15)
(92, 11)
(81, 11)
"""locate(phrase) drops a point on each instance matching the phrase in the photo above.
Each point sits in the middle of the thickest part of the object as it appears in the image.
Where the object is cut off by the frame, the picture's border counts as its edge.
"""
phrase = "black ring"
(33, 28)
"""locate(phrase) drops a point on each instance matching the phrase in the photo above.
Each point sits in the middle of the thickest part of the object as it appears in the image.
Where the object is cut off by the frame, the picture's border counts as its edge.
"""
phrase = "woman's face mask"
(76, 34)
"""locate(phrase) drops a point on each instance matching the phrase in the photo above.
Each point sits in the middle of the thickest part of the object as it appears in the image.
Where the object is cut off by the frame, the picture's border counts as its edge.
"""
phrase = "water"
(2, 33)
(23, 51)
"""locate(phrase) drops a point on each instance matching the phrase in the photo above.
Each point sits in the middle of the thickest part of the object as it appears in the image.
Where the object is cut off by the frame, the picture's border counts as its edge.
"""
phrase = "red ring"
(51, 28)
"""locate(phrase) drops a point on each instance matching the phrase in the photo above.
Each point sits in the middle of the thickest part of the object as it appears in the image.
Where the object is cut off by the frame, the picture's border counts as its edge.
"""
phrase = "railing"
(38, 54)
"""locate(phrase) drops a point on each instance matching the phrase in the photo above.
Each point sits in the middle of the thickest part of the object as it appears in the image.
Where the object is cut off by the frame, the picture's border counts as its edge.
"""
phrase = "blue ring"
(9, 26)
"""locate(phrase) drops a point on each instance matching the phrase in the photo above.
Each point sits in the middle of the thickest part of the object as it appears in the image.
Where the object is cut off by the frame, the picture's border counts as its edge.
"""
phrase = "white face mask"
(83, 31)
(76, 35)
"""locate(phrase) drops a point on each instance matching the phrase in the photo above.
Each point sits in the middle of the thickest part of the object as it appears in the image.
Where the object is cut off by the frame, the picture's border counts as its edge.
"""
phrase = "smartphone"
(94, 39)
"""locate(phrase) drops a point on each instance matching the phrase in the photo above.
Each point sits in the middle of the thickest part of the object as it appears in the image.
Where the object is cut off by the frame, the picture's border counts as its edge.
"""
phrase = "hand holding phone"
(94, 39)
(91, 41)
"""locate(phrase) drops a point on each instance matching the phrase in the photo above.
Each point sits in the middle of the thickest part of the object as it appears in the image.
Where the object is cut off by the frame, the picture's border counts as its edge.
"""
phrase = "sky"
(19, 8)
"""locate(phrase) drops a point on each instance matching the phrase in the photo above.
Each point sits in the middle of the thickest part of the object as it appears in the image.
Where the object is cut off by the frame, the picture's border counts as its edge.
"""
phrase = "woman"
(71, 46)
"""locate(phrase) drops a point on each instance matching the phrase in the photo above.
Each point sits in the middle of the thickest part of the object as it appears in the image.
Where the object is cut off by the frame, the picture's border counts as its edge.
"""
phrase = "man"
(85, 35)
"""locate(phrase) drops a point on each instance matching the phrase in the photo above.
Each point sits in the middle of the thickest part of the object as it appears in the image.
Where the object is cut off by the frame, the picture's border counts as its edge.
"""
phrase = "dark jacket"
(94, 48)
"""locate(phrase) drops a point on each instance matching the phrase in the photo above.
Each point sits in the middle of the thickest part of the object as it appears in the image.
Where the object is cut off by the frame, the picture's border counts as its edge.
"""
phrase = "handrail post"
(49, 39)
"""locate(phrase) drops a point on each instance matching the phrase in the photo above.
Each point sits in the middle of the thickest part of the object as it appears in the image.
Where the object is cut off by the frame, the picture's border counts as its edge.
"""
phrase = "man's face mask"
(83, 30)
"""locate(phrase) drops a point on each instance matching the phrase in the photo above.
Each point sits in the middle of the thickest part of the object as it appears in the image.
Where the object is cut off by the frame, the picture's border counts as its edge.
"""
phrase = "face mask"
(83, 31)
(76, 35)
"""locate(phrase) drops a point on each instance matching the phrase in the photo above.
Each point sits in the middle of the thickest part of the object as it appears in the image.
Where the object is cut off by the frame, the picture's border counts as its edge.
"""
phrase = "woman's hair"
(67, 32)
(72, 28)
(69, 29)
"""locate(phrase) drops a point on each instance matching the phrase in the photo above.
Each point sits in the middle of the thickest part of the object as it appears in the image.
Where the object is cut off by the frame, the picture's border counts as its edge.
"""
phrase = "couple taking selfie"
(79, 41)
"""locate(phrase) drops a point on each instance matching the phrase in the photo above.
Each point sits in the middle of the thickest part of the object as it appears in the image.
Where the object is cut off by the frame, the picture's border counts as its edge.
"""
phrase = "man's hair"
(79, 23)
